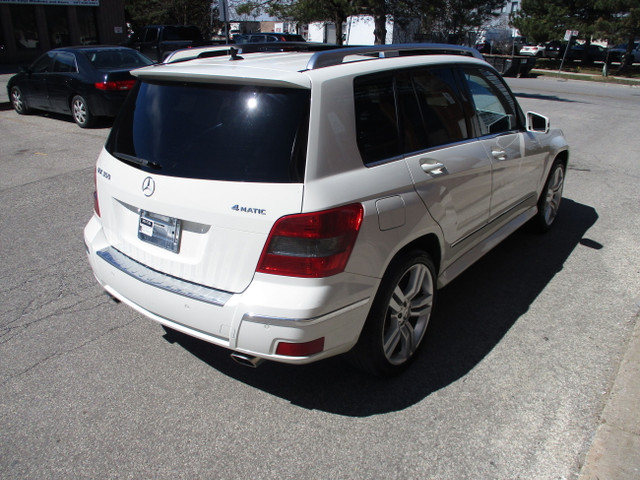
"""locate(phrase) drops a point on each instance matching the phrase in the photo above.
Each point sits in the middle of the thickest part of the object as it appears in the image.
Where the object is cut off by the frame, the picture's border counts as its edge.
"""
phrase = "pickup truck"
(158, 41)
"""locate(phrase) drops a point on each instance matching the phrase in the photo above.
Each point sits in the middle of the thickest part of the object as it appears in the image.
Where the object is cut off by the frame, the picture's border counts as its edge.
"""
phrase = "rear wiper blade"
(130, 159)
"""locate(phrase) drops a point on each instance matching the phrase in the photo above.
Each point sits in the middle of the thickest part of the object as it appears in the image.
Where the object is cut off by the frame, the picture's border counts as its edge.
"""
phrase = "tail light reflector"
(300, 349)
(312, 245)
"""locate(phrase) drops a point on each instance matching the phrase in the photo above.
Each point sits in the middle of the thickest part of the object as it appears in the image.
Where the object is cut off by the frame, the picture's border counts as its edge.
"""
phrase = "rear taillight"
(115, 86)
(312, 245)
(96, 205)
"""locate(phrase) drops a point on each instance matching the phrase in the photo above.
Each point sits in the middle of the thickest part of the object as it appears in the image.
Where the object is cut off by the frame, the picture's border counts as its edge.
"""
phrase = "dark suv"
(268, 37)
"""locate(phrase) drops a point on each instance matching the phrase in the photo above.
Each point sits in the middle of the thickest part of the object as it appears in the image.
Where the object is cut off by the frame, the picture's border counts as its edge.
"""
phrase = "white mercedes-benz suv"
(297, 204)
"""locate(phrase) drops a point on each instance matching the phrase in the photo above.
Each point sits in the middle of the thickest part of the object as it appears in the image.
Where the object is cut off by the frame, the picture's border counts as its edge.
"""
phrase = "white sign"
(570, 33)
(223, 10)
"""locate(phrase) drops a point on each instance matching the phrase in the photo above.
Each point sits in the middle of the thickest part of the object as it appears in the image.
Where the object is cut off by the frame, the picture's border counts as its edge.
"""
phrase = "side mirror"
(537, 123)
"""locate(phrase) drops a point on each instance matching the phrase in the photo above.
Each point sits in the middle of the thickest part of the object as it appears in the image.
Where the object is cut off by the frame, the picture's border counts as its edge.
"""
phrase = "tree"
(612, 20)
(621, 23)
(307, 11)
(178, 12)
(452, 21)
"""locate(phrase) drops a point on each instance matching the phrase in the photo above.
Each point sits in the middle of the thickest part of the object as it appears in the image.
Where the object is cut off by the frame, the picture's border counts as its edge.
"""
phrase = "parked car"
(533, 50)
(618, 52)
(86, 82)
(595, 53)
(554, 49)
(484, 47)
(158, 41)
(268, 37)
(293, 206)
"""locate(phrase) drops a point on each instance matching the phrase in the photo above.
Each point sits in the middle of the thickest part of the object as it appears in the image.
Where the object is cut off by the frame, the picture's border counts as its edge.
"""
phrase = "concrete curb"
(615, 451)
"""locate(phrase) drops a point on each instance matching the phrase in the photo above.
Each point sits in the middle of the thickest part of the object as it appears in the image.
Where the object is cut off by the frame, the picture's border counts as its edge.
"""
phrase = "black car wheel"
(549, 202)
(399, 316)
(80, 111)
(18, 101)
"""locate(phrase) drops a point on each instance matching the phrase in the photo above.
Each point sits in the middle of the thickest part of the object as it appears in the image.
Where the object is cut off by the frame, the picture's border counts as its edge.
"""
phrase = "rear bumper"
(106, 104)
(271, 310)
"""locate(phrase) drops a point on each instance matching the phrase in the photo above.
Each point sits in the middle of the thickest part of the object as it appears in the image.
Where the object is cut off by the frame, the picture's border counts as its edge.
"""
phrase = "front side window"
(43, 64)
(214, 132)
(495, 107)
(151, 34)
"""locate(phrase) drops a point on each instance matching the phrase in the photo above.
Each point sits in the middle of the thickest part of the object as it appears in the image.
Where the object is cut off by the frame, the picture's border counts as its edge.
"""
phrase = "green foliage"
(543, 20)
(169, 12)
(452, 21)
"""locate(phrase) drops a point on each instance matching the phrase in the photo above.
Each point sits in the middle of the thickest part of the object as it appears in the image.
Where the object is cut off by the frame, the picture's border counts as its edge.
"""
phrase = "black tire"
(81, 113)
(18, 101)
(549, 202)
(399, 316)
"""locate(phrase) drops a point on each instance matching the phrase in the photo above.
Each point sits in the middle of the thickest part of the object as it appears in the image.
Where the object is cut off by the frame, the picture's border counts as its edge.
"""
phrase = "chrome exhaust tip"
(247, 360)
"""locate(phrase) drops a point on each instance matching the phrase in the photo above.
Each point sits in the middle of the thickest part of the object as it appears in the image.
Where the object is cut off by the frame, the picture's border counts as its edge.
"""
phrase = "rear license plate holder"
(160, 230)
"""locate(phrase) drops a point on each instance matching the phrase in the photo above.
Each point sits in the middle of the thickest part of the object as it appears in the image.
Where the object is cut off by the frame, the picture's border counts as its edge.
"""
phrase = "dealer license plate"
(160, 230)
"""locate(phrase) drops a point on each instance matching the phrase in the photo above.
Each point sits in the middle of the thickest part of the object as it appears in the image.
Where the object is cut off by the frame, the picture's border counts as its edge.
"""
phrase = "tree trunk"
(380, 22)
(339, 22)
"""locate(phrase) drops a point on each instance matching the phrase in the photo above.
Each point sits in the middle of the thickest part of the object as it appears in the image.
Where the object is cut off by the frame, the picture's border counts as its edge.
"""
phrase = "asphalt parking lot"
(531, 369)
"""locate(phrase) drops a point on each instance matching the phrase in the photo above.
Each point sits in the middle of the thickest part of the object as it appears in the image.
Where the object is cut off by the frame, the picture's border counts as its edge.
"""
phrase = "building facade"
(29, 28)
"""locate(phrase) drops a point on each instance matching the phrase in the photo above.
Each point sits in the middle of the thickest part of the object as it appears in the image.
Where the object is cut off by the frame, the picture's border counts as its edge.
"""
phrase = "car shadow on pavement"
(474, 313)
(550, 98)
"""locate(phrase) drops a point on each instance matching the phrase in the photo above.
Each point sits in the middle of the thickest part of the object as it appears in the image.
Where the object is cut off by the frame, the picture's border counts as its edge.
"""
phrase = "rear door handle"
(499, 154)
(432, 167)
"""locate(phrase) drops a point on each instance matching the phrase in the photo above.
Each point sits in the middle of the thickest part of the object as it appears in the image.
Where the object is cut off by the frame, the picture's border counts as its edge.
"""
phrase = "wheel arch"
(429, 243)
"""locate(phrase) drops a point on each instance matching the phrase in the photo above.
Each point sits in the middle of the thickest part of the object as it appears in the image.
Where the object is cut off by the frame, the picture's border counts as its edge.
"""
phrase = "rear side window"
(376, 118)
(214, 132)
(432, 111)
(408, 111)
(65, 63)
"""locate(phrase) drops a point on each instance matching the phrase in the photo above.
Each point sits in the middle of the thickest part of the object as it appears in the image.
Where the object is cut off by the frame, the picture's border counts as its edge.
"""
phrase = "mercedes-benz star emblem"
(148, 186)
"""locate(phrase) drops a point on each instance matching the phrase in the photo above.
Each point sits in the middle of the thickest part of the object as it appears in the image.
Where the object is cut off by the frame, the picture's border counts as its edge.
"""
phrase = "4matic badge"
(256, 211)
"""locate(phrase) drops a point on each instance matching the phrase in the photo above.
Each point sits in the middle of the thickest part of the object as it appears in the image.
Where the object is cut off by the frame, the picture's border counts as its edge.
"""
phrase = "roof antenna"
(234, 54)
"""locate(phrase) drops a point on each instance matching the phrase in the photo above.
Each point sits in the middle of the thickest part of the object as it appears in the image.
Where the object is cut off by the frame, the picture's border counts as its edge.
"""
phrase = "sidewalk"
(615, 450)
(4, 96)
(586, 77)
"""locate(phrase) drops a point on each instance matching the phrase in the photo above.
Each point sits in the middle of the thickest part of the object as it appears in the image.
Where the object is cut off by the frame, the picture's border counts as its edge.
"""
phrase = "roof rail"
(336, 56)
(222, 50)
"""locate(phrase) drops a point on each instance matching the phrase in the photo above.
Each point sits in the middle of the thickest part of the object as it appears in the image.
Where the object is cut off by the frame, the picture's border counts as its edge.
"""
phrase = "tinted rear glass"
(214, 132)
(116, 58)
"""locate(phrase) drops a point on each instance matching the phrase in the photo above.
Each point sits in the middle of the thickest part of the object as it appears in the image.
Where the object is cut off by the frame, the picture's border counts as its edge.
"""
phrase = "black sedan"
(86, 82)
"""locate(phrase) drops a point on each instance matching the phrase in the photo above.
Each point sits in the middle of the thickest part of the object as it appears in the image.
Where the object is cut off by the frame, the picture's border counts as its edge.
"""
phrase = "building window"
(3, 45)
(58, 25)
(87, 25)
(23, 18)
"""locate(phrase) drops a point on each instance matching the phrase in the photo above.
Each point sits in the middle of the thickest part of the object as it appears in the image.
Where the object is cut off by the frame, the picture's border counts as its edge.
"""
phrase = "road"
(516, 370)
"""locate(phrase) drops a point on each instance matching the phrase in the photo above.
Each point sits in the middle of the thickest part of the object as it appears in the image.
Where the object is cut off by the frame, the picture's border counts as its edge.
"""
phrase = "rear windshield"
(214, 132)
(116, 58)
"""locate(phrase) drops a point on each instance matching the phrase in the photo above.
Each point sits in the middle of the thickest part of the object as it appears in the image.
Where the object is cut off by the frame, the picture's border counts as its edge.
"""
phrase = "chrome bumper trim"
(297, 322)
(160, 280)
